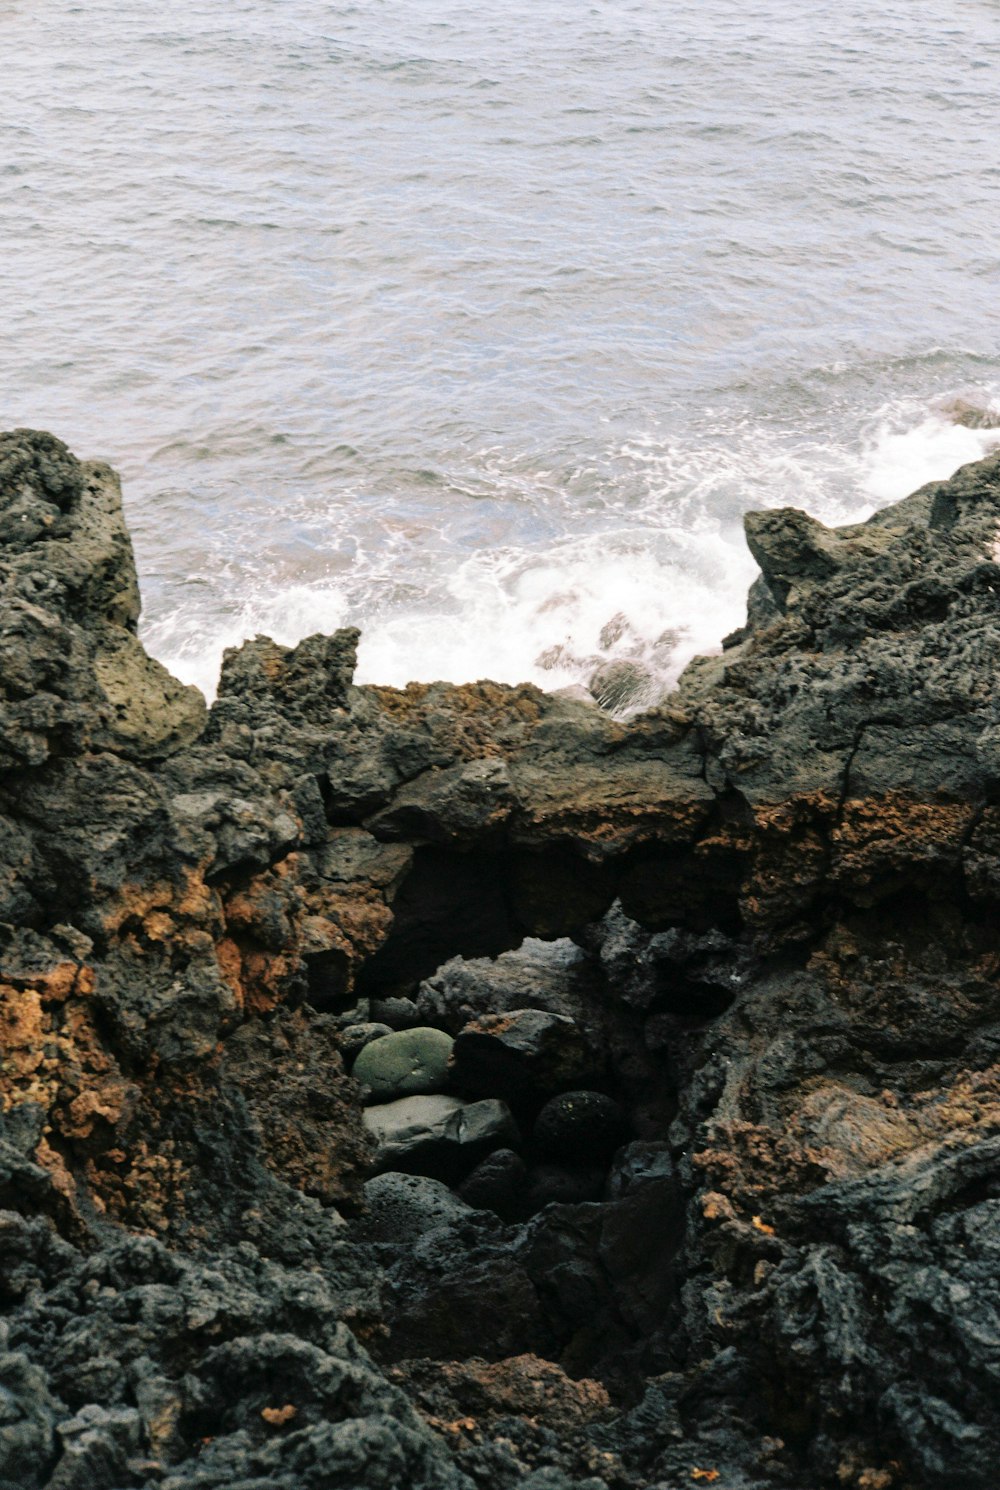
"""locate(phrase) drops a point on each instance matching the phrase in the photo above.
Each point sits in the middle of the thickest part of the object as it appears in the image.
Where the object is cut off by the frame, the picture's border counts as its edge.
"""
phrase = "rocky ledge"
(458, 1087)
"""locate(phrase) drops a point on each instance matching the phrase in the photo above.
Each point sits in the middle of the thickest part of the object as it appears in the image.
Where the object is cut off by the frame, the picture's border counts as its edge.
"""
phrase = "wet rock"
(621, 684)
(415, 1128)
(576, 692)
(404, 1063)
(972, 412)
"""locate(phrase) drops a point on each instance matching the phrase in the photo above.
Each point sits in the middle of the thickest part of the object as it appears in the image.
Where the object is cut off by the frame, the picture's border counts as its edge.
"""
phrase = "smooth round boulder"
(406, 1063)
(582, 1126)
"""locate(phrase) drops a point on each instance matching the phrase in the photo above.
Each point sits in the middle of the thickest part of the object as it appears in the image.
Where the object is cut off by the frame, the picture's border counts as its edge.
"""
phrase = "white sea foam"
(900, 460)
(512, 616)
(554, 619)
(192, 647)
(650, 579)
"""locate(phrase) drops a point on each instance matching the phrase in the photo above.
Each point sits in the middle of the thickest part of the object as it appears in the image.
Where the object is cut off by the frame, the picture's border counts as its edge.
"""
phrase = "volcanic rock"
(404, 1206)
(553, 1184)
(498, 1183)
(768, 906)
(555, 977)
(520, 1055)
(354, 1037)
(73, 674)
(579, 1125)
(396, 1013)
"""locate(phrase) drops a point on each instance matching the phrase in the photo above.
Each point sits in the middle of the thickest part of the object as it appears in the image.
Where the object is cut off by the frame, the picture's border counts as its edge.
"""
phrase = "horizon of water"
(481, 327)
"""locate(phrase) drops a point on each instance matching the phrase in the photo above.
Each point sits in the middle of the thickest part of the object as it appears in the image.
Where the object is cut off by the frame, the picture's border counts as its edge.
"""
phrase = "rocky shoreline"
(455, 1086)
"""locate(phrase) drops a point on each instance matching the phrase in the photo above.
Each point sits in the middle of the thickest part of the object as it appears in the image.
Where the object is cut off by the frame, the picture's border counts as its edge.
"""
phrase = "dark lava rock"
(73, 674)
(400, 1207)
(506, 1397)
(520, 1055)
(552, 1184)
(355, 1037)
(499, 1183)
(554, 977)
(462, 1290)
(639, 1164)
(579, 1126)
(677, 972)
(137, 1366)
(397, 1013)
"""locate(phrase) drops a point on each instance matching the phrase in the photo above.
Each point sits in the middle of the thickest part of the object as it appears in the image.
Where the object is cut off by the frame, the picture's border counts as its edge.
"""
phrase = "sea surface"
(481, 325)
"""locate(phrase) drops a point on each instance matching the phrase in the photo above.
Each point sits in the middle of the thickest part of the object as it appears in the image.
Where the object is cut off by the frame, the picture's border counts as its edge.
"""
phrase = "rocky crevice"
(704, 1007)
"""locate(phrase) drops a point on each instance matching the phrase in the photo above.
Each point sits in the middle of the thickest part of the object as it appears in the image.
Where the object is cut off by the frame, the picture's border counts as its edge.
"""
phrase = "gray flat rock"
(401, 1129)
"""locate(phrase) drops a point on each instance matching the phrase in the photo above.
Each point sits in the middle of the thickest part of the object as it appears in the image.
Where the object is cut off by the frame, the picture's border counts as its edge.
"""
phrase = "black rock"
(554, 1184)
(526, 1053)
(499, 1183)
(790, 1270)
(580, 1126)
(401, 1207)
(397, 1013)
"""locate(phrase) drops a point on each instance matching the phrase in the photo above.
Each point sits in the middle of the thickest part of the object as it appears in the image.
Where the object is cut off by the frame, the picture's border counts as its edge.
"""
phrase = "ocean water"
(481, 326)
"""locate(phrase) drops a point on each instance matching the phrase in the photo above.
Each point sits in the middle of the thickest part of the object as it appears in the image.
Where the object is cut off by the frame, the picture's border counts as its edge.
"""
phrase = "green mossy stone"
(405, 1064)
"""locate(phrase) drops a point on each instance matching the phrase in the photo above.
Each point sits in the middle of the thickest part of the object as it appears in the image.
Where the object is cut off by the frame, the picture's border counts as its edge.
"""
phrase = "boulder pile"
(514, 1110)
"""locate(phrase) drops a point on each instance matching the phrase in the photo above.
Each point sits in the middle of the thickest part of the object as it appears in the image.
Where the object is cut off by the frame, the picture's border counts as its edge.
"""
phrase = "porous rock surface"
(782, 885)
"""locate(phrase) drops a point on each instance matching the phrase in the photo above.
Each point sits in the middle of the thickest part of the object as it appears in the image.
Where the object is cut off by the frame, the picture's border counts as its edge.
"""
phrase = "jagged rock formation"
(747, 942)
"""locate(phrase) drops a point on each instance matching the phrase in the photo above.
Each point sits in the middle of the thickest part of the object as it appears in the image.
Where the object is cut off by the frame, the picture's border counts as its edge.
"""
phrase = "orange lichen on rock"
(896, 832)
(277, 1417)
(164, 911)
